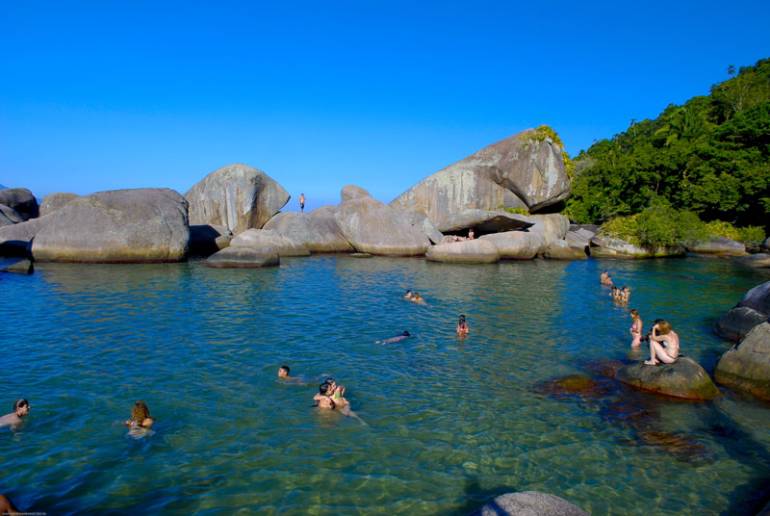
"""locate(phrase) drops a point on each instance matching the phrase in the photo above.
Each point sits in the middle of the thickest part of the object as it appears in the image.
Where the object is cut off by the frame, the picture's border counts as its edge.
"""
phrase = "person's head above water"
(283, 371)
(461, 320)
(634, 313)
(21, 407)
(140, 412)
(325, 388)
(406, 334)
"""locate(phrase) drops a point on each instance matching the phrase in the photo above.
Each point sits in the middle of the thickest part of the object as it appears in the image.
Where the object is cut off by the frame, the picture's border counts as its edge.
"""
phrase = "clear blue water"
(449, 423)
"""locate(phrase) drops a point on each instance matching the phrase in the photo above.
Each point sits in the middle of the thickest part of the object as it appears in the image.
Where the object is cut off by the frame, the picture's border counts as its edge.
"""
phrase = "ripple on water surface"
(448, 422)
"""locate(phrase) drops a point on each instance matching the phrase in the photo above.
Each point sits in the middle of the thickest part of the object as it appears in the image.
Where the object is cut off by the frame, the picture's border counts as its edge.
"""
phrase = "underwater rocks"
(746, 366)
(529, 503)
(685, 379)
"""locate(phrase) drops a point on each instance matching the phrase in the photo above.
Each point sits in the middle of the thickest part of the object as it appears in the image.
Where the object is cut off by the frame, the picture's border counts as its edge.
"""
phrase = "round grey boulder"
(350, 192)
(9, 216)
(561, 250)
(718, 246)
(373, 227)
(21, 201)
(238, 197)
(55, 201)
(117, 226)
(529, 503)
(752, 310)
(685, 379)
(243, 258)
(517, 245)
(269, 240)
(206, 239)
(746, 366)
(466, 251)
(317, 230)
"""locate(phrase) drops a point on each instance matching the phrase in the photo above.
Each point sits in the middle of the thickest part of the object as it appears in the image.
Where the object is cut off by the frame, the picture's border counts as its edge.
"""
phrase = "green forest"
(707, 160)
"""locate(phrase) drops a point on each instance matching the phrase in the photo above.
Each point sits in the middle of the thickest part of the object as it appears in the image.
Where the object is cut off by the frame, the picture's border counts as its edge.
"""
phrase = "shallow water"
(449, 423)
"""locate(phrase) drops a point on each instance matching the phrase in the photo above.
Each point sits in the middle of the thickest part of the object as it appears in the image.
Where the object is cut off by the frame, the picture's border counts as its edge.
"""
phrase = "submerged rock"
(752, 310)
(21, 201)
(746, 366)
(685, 378)
(238, 197)
(317, 230)
(373, 227)
(117, 226)
(517, 245)
(23, 266)
(522, 171)
(681, 446)
(529, 503)
(571, 385)
(243, 258)
(466, 251)
(718, 246)
(259, 239)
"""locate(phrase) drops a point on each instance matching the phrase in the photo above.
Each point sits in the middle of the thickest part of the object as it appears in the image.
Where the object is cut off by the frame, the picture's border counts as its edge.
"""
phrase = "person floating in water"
(140, 417)
(605, 279)
(330, 397)
(302, 202)
(414, 297)
(16, 418)
(462, 328)
(625, 295)
(636, 328)
(398, 338)
(664, 344)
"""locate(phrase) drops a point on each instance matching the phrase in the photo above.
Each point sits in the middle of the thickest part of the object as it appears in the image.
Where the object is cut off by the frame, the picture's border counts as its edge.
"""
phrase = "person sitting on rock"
(605, 279)
(16, 418)
(664, 344)
(462, 328)
(636, 328)
(140, 416)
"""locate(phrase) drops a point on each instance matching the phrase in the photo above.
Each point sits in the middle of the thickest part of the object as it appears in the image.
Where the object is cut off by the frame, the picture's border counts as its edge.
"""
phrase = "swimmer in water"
(409, 295)
(605, 279)
(16, 418)
(397, 338)
(140, 417)
(462, 327)
(330, 396)
(636, 328)
(417, 298)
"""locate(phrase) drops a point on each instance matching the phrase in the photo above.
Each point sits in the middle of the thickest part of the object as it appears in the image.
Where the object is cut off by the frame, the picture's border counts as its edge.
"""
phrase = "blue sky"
(104, 95)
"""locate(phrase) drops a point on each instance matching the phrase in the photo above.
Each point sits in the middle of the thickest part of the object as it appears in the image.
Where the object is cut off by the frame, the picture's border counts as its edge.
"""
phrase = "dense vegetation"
(708, 159)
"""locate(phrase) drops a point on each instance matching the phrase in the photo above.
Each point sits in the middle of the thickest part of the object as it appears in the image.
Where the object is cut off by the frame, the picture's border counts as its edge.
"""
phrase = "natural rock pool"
(449, 423)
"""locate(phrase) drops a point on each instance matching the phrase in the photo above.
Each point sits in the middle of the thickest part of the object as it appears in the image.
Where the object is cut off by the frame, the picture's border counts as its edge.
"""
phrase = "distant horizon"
(101, 97)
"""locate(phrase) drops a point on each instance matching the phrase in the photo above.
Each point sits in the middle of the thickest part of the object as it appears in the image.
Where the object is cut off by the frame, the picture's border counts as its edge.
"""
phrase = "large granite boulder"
(484, 221)
(685, 378)
(579, 239)
(529, 503)
(553, 226)
(259, 239)
(55, 201)
(746, 366)
(117, 226)
(243, 258)
(375, 228)
(752, 310)
(21, 201)
(523, 171)
(718, 246)
(561, 250)
(517, 245)
(16, 239)
(755, 261)
(466, 251)
(206, 239)
(350, 192)
(608, 247)
(9, 216)
(237, 197)
(317, 230)
(422, 222)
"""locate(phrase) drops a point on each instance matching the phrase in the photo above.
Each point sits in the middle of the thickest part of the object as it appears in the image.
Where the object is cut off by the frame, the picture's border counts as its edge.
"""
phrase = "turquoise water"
(449, 423)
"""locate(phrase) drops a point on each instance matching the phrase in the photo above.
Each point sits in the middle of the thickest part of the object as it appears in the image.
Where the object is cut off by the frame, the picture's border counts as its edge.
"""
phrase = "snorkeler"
(140, 416)
(462, 328)
(15, 418)
(397, 338)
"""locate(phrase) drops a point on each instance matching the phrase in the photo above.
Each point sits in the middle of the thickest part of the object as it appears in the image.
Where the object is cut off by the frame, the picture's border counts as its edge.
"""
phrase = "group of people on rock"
(458, 238)
(663, 340)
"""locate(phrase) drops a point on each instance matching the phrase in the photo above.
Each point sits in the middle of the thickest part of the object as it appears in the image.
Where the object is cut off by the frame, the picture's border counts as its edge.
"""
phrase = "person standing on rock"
(664, 344)
(302, 202)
